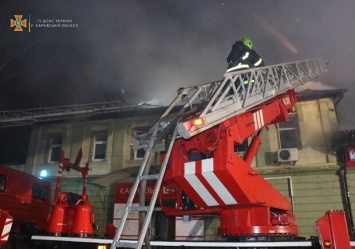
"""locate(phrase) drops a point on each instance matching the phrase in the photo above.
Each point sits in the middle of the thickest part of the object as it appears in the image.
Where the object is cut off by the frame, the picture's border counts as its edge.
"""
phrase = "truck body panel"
(26, 197)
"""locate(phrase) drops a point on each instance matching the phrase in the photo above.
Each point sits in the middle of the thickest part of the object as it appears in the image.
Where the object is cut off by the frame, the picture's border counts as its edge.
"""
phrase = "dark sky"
(144, 50)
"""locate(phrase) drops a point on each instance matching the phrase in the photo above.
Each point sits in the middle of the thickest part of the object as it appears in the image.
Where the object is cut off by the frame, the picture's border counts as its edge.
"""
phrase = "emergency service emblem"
(18, 23)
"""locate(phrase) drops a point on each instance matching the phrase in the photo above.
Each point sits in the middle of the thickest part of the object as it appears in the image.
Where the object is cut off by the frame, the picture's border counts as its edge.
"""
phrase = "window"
(289, 133)
(2, 183)
(39, 192)
(55, 148)
(138, 154)
(99, 149)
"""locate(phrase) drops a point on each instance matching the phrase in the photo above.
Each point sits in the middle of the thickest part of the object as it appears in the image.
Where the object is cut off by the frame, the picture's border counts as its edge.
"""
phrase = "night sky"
(144, 50)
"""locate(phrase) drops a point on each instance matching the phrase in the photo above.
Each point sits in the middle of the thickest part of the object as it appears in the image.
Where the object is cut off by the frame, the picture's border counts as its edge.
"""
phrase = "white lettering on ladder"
(258, 119)
(213, 181)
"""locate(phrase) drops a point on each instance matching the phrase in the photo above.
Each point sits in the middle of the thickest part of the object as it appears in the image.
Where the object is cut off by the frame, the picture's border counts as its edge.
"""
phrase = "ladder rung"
(158, 149)
(149, 177)
(126, 244)
(138, 208)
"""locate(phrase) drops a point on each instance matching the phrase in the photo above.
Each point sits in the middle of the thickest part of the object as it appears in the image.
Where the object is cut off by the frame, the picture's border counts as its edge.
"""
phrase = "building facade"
(297, 157)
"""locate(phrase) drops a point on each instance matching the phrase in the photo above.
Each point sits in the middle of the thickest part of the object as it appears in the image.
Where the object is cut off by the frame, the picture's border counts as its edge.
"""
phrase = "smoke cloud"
(152, 48)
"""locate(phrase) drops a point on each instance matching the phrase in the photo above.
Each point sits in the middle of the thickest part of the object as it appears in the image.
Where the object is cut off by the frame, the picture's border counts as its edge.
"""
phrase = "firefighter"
(242, 56)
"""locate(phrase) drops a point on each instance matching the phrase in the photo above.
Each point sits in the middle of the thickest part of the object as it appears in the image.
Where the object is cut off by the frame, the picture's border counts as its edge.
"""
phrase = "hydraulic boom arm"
(199, 161)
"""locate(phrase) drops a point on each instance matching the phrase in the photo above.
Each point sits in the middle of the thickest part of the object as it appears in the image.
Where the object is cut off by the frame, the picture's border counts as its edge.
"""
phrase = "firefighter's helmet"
(247, 42)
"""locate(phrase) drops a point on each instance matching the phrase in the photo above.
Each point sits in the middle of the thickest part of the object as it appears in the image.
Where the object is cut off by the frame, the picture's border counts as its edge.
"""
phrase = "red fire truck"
(200, 165)
(24, 204)
(27, 198)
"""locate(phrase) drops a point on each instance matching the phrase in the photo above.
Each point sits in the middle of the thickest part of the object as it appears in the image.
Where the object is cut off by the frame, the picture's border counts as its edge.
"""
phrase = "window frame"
(135, 132)
(42, 192)
(293, 118)
(3, 181)
(53, 146)
(96, 143)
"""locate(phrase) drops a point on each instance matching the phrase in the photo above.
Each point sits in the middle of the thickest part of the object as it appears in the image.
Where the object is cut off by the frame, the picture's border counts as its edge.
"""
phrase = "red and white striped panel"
(258, 119)
(206, 184)
(6, 231)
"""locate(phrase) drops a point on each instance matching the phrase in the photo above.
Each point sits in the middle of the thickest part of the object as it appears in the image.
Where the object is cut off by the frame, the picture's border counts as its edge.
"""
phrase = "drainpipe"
(289, 181)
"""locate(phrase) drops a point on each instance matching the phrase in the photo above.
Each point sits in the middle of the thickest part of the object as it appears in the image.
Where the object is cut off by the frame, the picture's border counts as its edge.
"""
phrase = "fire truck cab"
(27, 198)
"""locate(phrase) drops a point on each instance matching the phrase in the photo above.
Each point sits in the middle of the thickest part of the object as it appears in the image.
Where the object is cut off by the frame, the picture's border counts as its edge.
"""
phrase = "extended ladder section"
(201, 107)
(143, 176)
(198, 108)
(36, 115)
(243, 90)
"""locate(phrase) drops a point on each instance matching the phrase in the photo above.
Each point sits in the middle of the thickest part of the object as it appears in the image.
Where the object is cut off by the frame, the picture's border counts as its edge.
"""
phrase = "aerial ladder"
(54, 113)
(197, 134)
